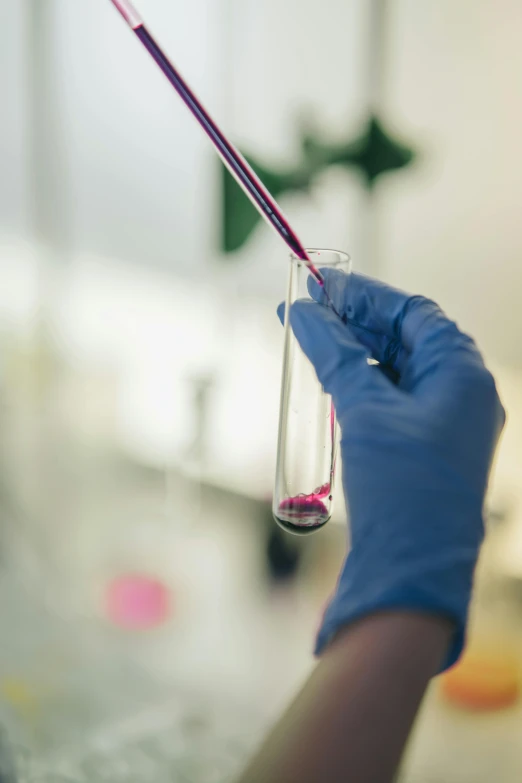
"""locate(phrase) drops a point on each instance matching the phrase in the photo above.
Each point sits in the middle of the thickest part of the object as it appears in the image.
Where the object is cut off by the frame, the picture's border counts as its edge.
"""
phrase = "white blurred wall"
(13, 130)
(138, 172)
(454, 231)
(141, 171)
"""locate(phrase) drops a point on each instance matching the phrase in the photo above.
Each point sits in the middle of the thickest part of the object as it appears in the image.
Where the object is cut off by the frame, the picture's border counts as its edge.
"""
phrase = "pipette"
(230, 156)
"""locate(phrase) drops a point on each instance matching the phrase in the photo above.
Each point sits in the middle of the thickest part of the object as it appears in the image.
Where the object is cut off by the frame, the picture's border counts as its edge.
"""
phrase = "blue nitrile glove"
(418, 437)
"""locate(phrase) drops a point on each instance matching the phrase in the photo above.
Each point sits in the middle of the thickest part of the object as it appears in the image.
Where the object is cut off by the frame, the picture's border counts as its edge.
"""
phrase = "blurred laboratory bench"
(85, 701)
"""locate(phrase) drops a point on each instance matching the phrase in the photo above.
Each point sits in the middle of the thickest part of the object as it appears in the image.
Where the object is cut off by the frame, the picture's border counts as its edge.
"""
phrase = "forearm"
(352, 719)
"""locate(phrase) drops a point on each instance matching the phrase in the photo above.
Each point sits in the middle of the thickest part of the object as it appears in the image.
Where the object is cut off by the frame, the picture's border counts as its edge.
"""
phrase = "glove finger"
(409, 333)
(390, 364)
(387, 370)
(440, 354)
(346, 293)
(340, 361)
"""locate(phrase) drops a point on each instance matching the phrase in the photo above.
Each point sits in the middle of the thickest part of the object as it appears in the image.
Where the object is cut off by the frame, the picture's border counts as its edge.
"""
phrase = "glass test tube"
(306, 450)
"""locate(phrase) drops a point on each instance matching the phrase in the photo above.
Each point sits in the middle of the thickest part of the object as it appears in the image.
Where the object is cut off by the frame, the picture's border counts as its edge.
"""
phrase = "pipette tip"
(128, 12)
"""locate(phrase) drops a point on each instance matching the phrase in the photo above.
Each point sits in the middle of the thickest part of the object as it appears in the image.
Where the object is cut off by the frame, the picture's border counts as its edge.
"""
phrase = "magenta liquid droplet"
(304, 514)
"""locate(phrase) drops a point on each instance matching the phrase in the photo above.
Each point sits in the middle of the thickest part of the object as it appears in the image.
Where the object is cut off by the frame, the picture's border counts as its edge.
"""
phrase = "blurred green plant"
(373, 153)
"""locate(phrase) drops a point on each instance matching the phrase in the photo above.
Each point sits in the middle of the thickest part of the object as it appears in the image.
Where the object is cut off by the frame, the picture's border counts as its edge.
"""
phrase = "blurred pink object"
(137, 601)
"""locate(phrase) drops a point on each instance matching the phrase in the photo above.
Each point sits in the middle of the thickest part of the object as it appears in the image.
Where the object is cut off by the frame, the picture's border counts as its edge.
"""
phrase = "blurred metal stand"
(375, 72)
(50, 200)
(184, 493)
(7, 765)
(35, 446)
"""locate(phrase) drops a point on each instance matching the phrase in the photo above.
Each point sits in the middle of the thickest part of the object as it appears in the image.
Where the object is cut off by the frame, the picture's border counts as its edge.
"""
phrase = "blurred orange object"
(482, 681)
(137, 601)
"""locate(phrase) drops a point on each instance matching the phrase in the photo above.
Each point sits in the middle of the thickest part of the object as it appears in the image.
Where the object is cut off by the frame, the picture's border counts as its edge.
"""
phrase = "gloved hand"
(418, 437)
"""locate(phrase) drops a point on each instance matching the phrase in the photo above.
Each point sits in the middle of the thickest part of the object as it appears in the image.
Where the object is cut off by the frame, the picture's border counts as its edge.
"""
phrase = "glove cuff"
(444, 592)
